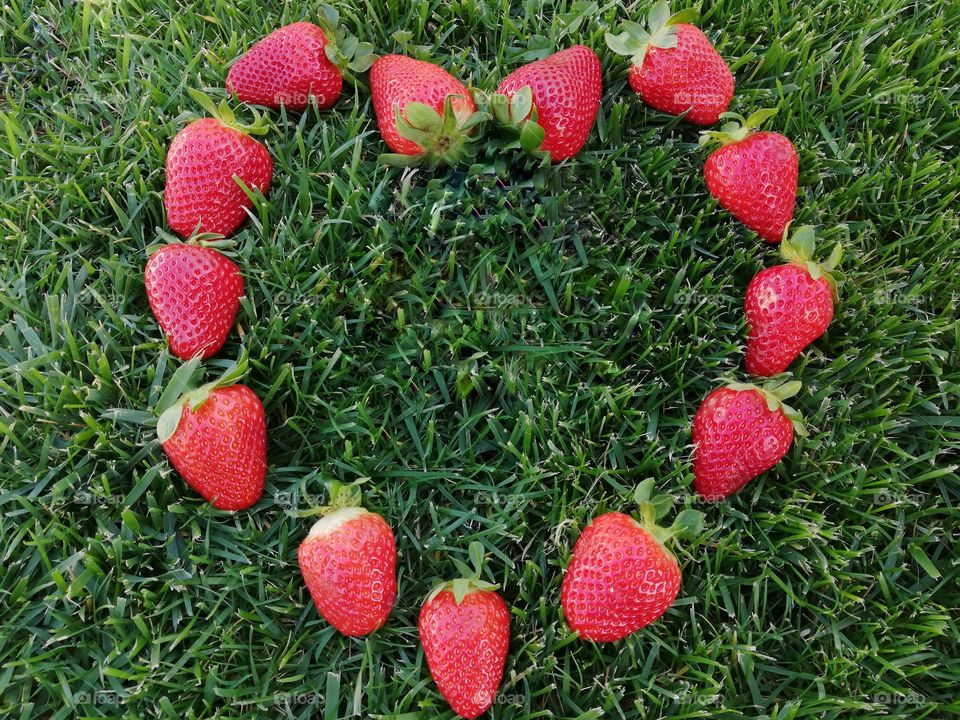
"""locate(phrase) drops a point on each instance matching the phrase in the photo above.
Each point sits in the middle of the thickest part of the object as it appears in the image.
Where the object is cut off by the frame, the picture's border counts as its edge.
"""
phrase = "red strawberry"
(739, 432)
(349, 564)
(675, 67)
(297, 62)
(465, 633)
(201, 194)
(565, 93)
(424, 113)
(194, 293)
(622, 577)
(789, 306)
(216, 438)
(754, 175)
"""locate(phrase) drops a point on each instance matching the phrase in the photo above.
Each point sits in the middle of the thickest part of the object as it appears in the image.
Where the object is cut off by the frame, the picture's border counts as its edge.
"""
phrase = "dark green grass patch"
(497, 353)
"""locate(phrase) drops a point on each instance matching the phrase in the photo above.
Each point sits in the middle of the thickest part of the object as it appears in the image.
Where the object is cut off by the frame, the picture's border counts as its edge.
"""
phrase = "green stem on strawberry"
(343, 49)
(799, 250)
(214, 241)
(180, 391)
(518, 116)
(444, 139)
(776, 391)
(224, 114)
(660, 32)
(739, 128)
(469, 581)
(654, 507)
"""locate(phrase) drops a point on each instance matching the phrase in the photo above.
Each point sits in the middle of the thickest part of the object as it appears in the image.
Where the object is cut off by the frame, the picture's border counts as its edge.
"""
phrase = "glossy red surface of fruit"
(691, 76)
(349, 567)
(194, 293)
(566, 93)
(287, 67)
(466, 647)
(619, 580)
(736, 437)
(396, 80)
(220, 449)
(201, 194)
(756, 180)
(786, 311)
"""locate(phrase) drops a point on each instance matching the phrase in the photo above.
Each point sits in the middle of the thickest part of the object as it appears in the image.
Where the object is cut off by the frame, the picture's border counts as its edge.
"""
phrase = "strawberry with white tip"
(348, 561)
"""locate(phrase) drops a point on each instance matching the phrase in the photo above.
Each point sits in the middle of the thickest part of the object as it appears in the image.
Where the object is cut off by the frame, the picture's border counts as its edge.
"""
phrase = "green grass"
(498, 353)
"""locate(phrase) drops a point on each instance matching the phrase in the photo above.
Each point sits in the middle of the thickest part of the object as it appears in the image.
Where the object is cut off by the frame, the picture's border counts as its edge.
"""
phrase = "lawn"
(497, 352)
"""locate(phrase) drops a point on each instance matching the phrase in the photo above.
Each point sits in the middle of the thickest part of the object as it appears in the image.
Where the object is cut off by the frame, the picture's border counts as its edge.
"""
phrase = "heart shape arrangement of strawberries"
(622, 575)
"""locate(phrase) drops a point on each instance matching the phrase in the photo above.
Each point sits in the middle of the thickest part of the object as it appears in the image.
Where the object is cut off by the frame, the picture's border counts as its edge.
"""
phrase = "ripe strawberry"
(424, 113)
(675, 67)
(297, 62)
(349, 564)
(201, 195)
(789, 306)
(194, 293)
(216, 438)
(561, 107)
(465, 632)
(739, 432)
(622, 577)
(754, 175)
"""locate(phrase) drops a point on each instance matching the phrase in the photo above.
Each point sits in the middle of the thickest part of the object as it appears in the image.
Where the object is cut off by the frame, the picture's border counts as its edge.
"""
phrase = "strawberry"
(465, 632)
(348, 561)
(201, 195)
(675, 68)
(194, 293)
(754, 174)
(789, 306)
(216, 437)
(424, 113)
(297, 62)
(622, 577)
(558, 104)
(739, 432)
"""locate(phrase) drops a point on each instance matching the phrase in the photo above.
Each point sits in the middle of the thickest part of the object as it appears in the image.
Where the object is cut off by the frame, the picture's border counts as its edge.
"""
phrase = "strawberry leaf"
(688, 523)
(684, 16)
(531, 136)
(181, 381)
(168, 422)
(422, 117)
(460, 587)
(521, 104)
(659, 16)
(475, 551)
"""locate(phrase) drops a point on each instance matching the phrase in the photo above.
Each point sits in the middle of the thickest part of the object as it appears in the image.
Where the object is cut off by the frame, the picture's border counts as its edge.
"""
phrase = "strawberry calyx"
(518, 116)
(470, 581)
(224, 114)
(343, 49)
(344, 506)
(775, 392)
(738, 129)
(444, 139)
(180, 391)
(660, 32)
(653, 508)
(213, 241)
(799, 250)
